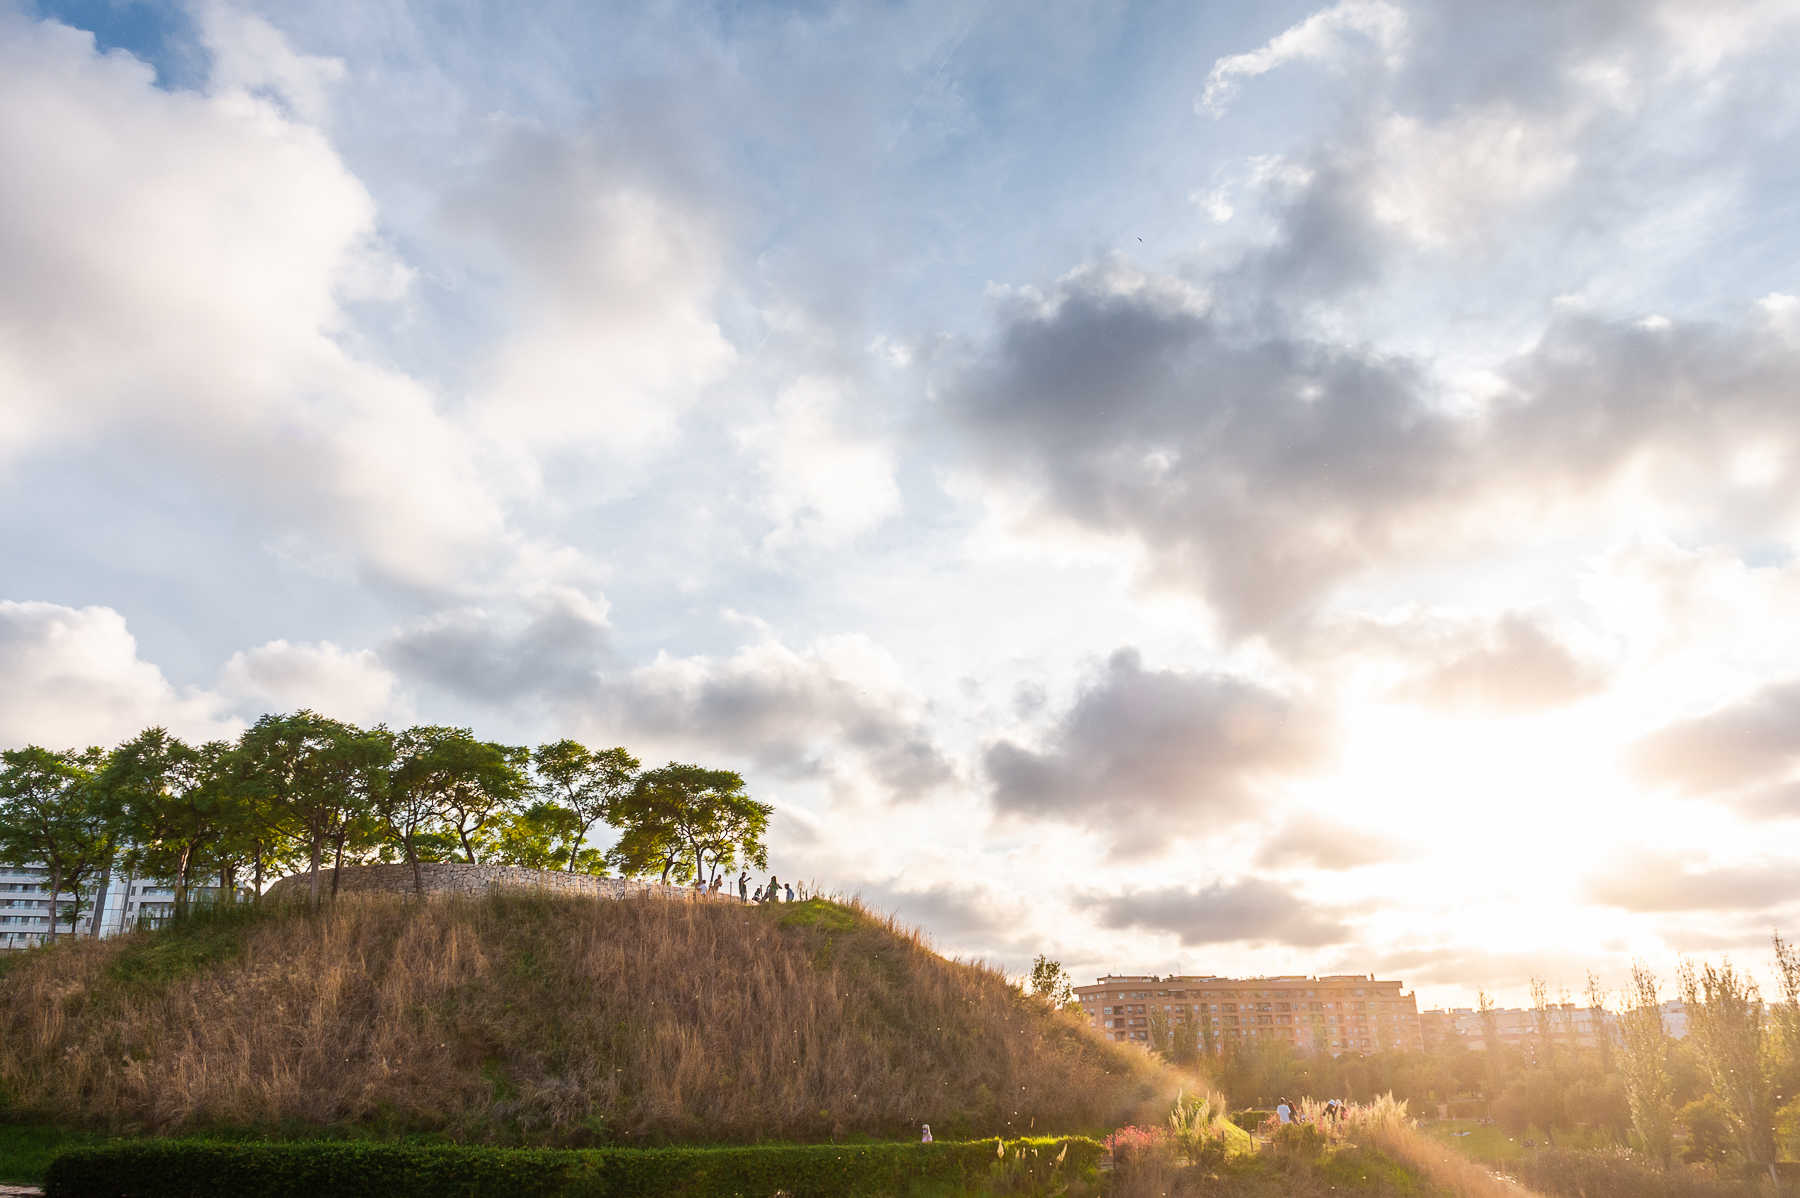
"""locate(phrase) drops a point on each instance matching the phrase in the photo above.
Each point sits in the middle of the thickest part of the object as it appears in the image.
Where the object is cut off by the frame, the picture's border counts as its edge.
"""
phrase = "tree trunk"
(412, 859)
(318, 851)
(468, 849)
(105, 887)
(256, 899)
(55, 885)
(181, 881)
(337, 863)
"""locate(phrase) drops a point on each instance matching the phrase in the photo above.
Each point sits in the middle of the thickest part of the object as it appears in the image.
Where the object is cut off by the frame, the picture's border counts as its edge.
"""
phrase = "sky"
(1221, 489)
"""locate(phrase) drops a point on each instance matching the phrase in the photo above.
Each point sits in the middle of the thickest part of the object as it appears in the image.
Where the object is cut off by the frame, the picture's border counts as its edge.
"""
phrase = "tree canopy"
(301, 791)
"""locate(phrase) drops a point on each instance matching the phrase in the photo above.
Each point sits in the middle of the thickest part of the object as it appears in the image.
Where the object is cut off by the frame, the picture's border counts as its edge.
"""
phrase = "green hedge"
(1252, 1119)
(190, 1168)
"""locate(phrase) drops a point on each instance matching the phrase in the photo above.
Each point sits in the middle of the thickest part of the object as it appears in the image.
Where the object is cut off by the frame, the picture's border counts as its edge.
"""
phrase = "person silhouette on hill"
(744, 886)
(769, 892)
(790, 892)
(757, 897)
(925, 1138)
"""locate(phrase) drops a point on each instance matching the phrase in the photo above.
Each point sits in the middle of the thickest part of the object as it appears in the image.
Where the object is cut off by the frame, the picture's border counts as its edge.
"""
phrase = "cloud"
(1256, 472)
(835, 708)
(1248, 911)
(1144, 756)
(1308, 842)
(73, 678)
(549, 646)
(1263, 471)
(607, 262)
(825, 485)
(178, 264)
(1329, 35)
(278, 676)
(947, 912)
(1662, 882)
(1511, 665)
(1754, 741)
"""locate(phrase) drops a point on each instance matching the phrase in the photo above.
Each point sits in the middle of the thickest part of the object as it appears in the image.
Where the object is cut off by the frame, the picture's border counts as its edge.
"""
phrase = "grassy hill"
(521, 1018)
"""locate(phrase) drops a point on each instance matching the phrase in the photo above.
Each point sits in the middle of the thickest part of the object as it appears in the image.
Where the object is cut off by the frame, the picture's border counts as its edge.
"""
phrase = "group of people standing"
(1288, 1112)
(775, 892)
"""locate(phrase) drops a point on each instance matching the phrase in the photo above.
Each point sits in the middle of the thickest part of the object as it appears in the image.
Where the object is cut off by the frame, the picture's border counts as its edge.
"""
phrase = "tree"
(1786, 1016)
(677, 817)
(49, 816)
(586, 783)
(310, 777)
(1644, 1061)
(1490, 1040)
(1725, 1022)
(478, 782)
(155, 795)
(1597, 1018)
(535, 837)
(1540, 1017)
(407, 804)
(1051, 982)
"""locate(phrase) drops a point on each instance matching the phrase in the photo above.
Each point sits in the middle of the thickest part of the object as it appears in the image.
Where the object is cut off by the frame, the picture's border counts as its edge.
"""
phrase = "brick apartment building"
(1339, 1013)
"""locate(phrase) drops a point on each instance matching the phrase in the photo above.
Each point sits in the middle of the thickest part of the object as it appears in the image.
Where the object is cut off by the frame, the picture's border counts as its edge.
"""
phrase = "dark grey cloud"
(1754, 742)
(947, 913)
(1146, 755)
(1661, 882)
(799, 715)
(1311, 843)
(1249, 911)
(1258, 471)
(1513, 664)
(1261, 470)
(552, 650)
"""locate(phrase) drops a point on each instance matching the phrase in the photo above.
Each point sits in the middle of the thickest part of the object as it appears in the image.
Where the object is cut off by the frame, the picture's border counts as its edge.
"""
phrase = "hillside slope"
(542, 1018)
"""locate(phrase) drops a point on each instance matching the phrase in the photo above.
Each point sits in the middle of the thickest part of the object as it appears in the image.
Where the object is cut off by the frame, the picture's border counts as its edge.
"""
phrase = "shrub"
(1297, 1143)
(1707, 1126)
(1561, 1172)
(177, 1168)
(1197, 1128)
(1252, 1120)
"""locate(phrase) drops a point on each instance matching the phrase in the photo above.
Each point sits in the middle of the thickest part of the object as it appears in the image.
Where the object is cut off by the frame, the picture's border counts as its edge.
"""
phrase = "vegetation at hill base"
(1705, 1115)
(549, 1019)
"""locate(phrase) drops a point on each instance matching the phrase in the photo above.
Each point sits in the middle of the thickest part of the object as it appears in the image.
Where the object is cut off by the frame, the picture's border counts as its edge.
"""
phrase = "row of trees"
(299, 790)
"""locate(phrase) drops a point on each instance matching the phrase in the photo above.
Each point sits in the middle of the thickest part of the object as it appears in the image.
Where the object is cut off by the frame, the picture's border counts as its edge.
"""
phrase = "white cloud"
(73, 678)
(346, 684)
(175, 264)
(1326, 36)
(251, 55)
(609, 274)
(824, 485)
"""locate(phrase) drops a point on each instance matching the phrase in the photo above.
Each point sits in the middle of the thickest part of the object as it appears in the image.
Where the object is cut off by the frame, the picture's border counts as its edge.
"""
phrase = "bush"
(1566, 1172)
(178, 1168)
(1707, 1126)
(1297, 1143)
(1252, 1120)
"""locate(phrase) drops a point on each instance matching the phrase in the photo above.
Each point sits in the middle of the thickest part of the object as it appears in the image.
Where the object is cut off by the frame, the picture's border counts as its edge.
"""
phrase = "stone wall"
(456, 877)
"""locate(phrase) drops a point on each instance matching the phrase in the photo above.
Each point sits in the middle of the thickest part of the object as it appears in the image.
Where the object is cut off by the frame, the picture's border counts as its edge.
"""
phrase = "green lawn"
(1482, 1142)
(25, 1150)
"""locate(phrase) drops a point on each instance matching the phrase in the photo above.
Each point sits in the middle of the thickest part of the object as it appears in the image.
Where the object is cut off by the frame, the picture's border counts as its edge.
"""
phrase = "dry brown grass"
(1385, 1126)
(552, 1019)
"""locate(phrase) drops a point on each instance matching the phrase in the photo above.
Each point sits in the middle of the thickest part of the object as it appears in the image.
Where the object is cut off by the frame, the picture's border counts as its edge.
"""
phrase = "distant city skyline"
(1296, 488)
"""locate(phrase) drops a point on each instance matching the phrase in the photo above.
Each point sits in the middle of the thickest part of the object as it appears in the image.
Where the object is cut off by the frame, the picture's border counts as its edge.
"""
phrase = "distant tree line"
(302, 792)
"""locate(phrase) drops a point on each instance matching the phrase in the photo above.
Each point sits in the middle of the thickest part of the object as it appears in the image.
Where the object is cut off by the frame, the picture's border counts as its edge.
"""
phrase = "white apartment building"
(126, 903)
(1518, 1026)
